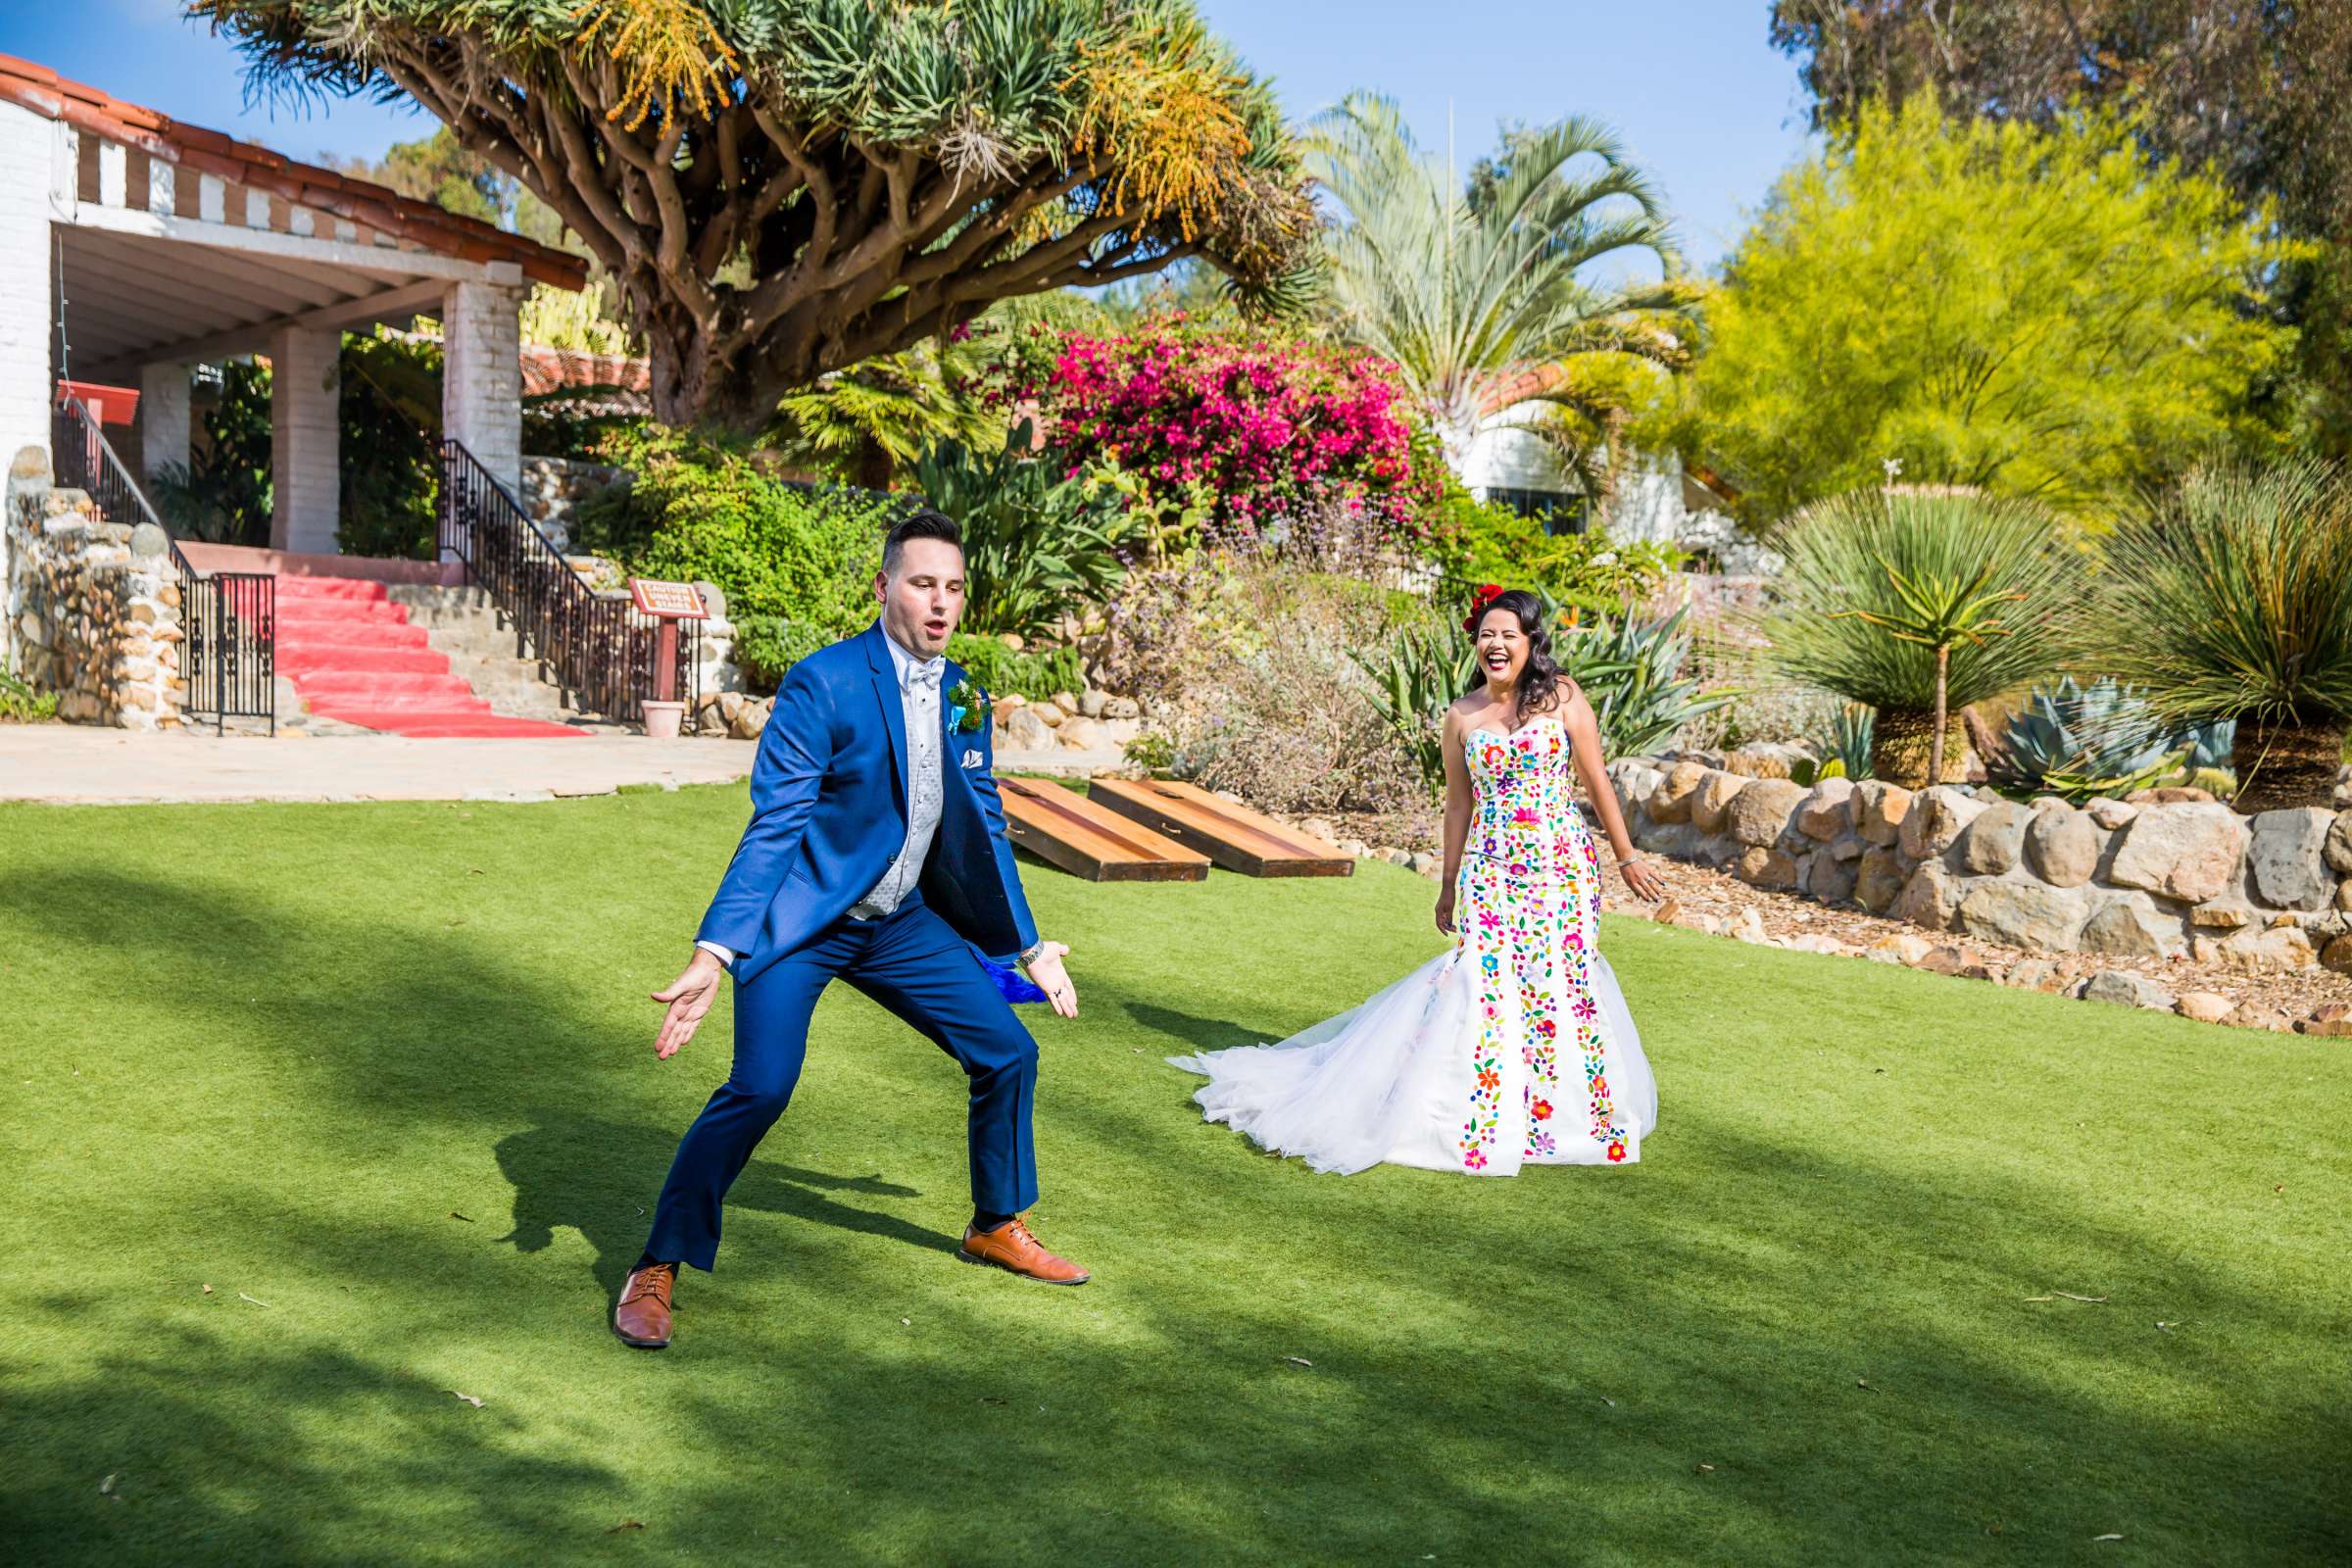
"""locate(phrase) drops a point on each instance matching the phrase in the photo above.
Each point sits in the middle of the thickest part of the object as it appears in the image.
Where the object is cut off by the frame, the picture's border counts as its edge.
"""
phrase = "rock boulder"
(2187, 850)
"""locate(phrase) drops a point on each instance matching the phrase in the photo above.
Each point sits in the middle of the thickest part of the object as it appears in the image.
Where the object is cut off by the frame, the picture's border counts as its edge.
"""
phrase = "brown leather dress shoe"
(642, 1318)
(1011, 1246)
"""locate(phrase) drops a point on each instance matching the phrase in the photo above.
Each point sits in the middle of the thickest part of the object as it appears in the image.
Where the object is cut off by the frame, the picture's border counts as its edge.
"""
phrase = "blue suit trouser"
(913, 965)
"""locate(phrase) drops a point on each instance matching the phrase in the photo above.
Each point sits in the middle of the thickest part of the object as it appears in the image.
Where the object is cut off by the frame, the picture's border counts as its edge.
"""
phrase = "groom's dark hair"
(924, 525)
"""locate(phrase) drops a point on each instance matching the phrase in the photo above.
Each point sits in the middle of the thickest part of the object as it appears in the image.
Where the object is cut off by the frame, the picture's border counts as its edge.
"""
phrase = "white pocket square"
(973, 760)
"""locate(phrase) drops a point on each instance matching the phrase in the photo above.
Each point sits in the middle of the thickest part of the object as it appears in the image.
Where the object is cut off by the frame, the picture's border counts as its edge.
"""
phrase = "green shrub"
(1035, 673)
(2231, 596)
(698, 511)
(1485, 541)
(767, 646)
(1034, 546)
(20, 704)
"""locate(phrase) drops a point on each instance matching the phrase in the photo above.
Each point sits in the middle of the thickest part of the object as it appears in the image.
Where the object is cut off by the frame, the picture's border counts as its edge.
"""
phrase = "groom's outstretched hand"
(1053, 980)
(689, 997)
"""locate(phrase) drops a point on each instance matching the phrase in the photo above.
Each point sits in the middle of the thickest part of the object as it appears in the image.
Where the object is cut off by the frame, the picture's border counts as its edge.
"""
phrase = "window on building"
(1559, 511)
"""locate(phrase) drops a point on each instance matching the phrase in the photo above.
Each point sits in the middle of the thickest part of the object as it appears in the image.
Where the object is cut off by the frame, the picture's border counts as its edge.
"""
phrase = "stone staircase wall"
(481, 646)
(92, 610)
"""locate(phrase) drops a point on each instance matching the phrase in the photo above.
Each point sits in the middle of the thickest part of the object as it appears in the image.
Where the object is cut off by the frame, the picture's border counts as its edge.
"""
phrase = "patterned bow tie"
(925, 677)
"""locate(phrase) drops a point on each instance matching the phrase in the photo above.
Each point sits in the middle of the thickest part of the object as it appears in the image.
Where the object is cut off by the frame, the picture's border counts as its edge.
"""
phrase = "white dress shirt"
(926, 786)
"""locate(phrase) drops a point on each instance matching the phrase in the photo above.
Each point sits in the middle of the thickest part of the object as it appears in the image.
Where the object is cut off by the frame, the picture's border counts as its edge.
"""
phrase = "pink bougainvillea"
(1274, 430)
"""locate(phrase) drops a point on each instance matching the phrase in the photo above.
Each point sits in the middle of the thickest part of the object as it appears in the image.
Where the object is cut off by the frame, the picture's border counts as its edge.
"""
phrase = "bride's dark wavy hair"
(1539, 676)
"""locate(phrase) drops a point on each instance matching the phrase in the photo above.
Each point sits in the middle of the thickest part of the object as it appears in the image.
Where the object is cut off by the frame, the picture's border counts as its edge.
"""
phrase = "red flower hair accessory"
(1487, 593)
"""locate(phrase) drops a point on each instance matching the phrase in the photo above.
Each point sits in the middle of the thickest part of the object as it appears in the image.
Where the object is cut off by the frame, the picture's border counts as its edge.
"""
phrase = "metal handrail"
(111, 473)
(228, 619)
(602, 650)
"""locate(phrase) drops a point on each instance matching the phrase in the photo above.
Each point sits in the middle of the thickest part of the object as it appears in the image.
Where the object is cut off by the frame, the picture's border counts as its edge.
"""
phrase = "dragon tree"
(785, 187)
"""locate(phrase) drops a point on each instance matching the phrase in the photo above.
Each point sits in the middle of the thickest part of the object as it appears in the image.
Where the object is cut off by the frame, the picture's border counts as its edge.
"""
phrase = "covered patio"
(134, 249)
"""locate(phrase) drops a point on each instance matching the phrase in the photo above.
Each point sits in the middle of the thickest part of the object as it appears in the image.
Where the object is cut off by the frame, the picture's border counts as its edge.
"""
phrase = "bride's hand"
(1642, 882)
(1446, 911)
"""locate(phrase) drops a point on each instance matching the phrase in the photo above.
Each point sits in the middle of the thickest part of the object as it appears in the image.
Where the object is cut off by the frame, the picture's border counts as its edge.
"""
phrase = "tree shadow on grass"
(1476, 1375)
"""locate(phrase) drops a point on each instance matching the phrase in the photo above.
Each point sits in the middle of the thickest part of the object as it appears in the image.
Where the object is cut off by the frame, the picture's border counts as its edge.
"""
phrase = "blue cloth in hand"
(1013, 985)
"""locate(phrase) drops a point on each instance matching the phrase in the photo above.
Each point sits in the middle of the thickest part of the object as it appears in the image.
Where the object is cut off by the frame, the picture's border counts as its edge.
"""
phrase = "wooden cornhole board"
(1065, 828)
(1233, 835)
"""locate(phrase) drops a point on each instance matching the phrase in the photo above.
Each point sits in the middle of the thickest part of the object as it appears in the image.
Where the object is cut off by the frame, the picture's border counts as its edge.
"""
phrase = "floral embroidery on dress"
(1534, 882)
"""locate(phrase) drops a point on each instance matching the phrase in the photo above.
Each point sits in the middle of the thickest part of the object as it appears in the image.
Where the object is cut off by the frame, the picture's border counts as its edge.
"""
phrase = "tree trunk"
(1901, 741)
(1944, 713)
(2284, 765)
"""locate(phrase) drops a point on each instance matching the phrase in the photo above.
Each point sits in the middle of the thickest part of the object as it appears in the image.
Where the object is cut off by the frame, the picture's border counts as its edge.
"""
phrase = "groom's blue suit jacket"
(830, 815)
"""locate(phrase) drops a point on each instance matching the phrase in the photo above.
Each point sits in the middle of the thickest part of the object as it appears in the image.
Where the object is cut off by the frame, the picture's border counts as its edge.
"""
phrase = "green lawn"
(387, 1071)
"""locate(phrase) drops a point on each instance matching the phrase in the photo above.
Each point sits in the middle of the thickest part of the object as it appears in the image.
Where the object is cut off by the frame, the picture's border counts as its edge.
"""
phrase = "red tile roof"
(238, 162)
(546, 370)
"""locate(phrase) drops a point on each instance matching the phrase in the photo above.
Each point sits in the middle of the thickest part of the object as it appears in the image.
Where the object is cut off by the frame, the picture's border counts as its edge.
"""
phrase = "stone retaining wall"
(93, 610)
(553, 489)
(2152, 877)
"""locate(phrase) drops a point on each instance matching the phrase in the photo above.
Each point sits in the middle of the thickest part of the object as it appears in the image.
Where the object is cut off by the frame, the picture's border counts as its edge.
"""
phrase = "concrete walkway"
(75, 764)
(80, 764)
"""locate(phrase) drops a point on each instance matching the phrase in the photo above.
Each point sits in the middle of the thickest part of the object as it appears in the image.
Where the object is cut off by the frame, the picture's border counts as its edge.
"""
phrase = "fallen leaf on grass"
(474, 1399)
(990, 1399)
(106, 1488)
(2072, 1296)
(1706, 1469)
(2106, 1537)
(2042, 1297)
(626, 1524)
(255, 1299)
(1300, 1360)
(207, 1289)
(1611, 1404)
(905, 1322)
(2169, 1327)
(1864, 1382)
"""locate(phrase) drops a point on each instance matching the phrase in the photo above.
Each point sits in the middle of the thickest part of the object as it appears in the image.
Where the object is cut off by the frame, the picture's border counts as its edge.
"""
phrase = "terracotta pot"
(662, 720)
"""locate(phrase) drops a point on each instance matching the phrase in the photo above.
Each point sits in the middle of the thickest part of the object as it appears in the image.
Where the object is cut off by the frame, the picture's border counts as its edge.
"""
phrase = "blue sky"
(1691, 85)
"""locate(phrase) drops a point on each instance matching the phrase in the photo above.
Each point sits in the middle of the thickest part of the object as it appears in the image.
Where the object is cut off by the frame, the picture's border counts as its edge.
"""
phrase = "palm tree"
(1479, 293)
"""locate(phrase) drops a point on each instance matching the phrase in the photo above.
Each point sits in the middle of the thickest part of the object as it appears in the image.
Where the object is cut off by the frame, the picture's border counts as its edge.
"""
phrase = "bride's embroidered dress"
(1513, 1047)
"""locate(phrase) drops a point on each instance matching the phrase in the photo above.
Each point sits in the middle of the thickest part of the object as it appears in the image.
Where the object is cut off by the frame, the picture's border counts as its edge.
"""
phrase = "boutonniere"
(969, 708)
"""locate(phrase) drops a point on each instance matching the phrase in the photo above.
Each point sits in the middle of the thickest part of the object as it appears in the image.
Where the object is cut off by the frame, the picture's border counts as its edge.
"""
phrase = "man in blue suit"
(877, 852)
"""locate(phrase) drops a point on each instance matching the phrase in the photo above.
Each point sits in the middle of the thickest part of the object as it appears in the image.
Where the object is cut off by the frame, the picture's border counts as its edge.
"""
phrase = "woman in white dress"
(1515, 1046)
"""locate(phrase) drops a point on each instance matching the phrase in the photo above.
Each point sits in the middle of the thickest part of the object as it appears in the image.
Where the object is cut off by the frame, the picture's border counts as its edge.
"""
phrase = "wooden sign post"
(669, 602)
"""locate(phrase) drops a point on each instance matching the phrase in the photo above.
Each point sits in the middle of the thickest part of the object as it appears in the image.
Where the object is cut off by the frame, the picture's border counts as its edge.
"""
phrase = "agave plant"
(1413, 678)
(1918, 604)
(2103, 738)
(2232, 596)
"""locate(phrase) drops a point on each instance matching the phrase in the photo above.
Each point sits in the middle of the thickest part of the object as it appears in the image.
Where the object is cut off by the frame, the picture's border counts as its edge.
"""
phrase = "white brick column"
(306, 394)
(481, 370)
(30, 161)
(162, 418)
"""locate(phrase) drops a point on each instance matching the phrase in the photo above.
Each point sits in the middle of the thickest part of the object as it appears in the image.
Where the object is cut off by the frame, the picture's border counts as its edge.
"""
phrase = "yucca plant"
(2232, 597)
(1919, 602)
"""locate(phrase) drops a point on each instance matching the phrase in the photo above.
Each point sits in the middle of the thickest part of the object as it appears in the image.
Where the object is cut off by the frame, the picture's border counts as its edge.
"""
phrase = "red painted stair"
(353, 656)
